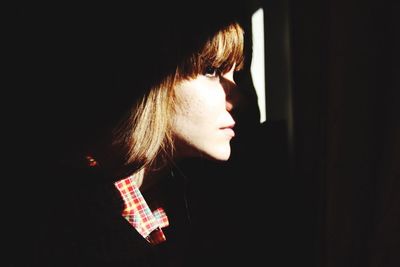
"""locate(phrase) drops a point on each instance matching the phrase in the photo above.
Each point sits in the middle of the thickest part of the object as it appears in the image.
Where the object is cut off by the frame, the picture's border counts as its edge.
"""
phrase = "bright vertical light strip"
(257, 68)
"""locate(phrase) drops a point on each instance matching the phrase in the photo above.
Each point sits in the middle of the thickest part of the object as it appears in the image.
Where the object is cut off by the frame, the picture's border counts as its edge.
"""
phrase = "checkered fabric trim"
(137, 212)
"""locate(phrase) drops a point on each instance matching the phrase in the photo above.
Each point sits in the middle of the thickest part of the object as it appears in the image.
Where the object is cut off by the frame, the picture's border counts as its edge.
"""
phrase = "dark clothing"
(74, 219)
(221, 214)
(77, 222)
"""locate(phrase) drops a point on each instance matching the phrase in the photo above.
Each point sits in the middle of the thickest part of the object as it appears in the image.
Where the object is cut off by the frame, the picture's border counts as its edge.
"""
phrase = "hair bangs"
(225, 49)
(221, 51)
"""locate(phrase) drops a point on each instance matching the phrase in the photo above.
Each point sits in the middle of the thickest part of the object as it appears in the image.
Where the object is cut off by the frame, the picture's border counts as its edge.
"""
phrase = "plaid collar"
(147, 222)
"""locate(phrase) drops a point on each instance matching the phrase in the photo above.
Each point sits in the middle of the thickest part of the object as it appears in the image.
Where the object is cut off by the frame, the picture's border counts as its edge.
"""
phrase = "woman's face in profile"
(202, 124)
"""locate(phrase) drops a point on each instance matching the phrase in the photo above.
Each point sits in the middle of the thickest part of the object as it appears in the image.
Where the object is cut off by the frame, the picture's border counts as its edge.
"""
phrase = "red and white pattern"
(137, 212)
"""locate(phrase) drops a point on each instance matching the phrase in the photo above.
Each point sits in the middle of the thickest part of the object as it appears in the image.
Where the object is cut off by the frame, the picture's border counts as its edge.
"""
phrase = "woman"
(121, 200)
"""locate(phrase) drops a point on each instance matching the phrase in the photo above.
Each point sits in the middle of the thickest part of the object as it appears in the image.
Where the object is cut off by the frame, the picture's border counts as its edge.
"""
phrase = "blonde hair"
(143, 139)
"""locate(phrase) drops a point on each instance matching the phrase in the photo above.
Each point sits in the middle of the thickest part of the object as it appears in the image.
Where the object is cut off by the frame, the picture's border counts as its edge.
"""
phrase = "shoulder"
(78, 222)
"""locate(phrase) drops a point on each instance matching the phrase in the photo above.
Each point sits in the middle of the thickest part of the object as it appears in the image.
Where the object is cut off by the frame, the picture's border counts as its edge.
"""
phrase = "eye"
(211, 71)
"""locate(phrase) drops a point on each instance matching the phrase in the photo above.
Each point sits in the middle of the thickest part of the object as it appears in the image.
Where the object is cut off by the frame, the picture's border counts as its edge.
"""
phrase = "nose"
(229, 85)
(229, 97)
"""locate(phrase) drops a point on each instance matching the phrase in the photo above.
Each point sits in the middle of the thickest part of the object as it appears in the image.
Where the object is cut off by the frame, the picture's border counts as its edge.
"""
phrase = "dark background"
(332, 75)
(323, 180)
(318, 182)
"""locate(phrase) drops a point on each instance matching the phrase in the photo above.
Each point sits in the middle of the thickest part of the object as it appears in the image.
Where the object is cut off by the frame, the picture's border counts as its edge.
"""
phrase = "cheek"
(197, 112)
(198, 102)
(187, 115)
(189, 100)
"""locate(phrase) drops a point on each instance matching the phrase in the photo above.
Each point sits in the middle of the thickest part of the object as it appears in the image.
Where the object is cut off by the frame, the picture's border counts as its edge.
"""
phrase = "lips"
(229, 130)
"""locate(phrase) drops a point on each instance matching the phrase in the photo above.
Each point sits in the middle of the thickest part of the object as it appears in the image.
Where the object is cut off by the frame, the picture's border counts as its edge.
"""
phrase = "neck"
(149, 178)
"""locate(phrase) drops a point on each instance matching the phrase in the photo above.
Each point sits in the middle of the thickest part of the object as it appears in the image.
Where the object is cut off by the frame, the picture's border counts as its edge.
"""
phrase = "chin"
(222, 154)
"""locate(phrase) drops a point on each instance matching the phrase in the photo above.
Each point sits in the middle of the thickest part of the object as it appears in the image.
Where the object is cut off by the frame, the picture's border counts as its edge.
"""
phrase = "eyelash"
(211, 72)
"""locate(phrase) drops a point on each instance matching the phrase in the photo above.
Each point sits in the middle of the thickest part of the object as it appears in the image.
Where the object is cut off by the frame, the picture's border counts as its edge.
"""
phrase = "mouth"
(228, 130)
